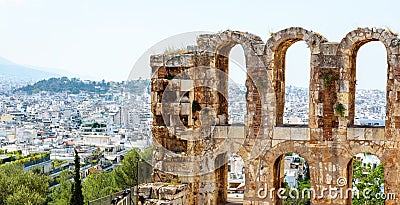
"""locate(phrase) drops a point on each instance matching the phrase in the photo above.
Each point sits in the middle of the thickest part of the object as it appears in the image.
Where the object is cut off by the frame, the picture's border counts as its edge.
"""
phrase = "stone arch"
(355, 147)
(290, 146)
(258, 82)
(275, 50)
(348, 49)
(369, 147)
(297, 147)
(279, 174)
(219, 46)
(270, 161)
(343, 164)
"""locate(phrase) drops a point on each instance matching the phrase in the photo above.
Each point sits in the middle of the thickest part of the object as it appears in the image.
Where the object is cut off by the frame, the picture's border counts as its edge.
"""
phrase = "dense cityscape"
(53, 121)
(370, 105)
(40, 130)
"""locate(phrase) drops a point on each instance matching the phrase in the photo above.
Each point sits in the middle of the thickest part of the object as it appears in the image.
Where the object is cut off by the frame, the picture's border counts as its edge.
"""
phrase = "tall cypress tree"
(77, 196)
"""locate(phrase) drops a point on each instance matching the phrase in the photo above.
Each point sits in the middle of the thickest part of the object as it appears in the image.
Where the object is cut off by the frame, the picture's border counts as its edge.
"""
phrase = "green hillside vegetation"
(64, 84)
(137, 87)
(75, 86)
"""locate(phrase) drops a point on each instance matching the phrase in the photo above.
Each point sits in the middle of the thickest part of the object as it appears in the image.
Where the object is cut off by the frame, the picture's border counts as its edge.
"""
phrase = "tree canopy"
(102, 183)
(65, 84)
(18, 187)
(127, 175)
(367, 177)
(61, 194)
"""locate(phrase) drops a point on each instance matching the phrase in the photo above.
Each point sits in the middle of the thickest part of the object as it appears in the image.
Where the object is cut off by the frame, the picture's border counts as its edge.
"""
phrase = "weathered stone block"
(162, 72)
(281, 133)
(329, 48)
(344, 86)
(236, 131)
(329, 61)
(186, 109)
(158, 109)
(259, 49)
(355, 133)
(220, 132)
(174, 85)
(157, 60)
(179, 60)
(299, 133)
(186, 85)
(222, 119)
(375, 133)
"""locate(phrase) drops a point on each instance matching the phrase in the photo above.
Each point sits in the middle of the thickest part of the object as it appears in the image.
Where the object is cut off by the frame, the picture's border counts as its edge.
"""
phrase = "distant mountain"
(4, 61)
(12, 71)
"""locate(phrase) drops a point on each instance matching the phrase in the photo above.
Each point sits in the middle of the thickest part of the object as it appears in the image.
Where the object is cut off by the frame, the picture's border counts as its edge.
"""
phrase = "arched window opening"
(220, 174)
(297, 80)
(236, 179)
(370, 82)
(230, 177)
(292, 173)
(230, 166)
(236, 86)
(367, 179)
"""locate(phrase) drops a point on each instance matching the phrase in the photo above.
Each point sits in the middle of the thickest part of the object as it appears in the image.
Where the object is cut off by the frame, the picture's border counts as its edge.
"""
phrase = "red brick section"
(329, 77)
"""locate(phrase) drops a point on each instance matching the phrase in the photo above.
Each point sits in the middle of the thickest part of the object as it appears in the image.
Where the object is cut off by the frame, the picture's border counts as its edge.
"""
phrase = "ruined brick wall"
(191, 136)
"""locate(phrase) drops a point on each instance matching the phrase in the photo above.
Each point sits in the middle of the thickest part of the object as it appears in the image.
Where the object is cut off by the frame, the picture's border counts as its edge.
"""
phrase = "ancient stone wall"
(162, 193)
(191, 134)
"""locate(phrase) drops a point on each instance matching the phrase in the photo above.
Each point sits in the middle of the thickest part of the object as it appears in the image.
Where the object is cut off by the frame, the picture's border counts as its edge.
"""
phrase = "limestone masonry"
(191, 134)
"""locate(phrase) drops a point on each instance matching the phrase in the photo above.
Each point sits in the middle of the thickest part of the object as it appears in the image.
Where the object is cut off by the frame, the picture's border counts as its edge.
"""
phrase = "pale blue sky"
(104, 39)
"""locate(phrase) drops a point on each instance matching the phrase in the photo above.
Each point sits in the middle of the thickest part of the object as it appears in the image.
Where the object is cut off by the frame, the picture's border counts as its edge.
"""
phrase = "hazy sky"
(104, 39)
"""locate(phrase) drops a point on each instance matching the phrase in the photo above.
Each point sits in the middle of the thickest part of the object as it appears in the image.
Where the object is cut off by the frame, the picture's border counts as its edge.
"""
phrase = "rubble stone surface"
(162, 193)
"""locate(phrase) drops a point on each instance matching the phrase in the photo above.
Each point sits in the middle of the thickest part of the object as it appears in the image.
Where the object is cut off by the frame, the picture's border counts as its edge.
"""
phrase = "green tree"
(372, 181)
(61, 194)
(77, 196)
(100, 184)
(126, 174)
(95, 125)
(302, 184)
(18, 187)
